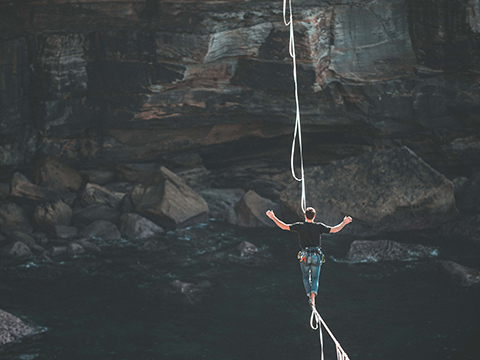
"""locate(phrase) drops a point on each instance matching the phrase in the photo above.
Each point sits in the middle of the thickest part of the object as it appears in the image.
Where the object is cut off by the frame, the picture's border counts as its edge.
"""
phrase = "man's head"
(310, 213)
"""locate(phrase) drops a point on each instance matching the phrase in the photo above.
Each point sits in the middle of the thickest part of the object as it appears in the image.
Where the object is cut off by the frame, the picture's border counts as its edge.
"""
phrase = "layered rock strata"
(102, 82)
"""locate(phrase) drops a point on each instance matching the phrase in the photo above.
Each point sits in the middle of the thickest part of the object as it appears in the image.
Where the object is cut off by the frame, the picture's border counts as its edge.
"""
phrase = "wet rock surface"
(103, 229)
(192, 292)
(134, 226)
(387, 250)
(12, 328)
(461, 274)
(246, 249)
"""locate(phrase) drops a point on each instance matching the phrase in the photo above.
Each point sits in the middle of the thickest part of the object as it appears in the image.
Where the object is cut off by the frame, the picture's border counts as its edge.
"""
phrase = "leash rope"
(298, 126)
(316, 322)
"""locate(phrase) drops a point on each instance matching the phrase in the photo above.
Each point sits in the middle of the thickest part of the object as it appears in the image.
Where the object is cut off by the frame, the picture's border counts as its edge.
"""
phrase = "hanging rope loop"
(297, 134)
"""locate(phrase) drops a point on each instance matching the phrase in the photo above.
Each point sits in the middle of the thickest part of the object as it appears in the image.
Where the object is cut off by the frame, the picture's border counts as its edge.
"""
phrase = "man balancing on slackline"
(310, 255)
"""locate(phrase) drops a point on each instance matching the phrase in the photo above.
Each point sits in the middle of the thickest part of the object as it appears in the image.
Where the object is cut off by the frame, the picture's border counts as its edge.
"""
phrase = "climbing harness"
(298, 126)
(316, 320)
(304, 254)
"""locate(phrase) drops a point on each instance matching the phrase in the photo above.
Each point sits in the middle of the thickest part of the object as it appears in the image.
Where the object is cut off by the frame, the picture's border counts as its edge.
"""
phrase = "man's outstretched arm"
(277, 221)
(335, 229)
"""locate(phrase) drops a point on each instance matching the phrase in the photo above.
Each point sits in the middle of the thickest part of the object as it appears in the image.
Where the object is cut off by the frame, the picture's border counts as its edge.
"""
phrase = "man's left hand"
(270, 214)
(347, 220)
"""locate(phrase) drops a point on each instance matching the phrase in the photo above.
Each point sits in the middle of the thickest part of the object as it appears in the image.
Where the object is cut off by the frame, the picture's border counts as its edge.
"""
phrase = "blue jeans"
(311, 272)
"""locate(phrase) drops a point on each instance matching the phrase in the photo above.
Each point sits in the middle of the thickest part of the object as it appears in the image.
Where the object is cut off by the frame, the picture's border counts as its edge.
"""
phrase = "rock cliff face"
(106, 82)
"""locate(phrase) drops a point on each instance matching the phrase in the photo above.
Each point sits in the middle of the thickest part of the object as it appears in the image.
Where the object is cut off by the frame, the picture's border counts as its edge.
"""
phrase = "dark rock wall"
(445, 33)
(108, 82)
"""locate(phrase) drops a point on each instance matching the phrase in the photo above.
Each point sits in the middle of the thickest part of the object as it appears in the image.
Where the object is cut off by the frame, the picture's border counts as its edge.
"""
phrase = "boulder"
(221, 202)
(17, 249)
(57, 250)
(12, 328)
(246, 248)
(94, 194)
(250, 211)
(75, 249)
(88, 245)
(387, 250)
(14, 218)
(101, 229)
(56, 175)
(65, 232)
(98, 176)
(134, 226)
(268, 189)
(89, 214)
(135, 172)
(48, 215)
(192, 292)
(28, 240)
(182, 287)
(21, 187)
(40, 238)
(461, 274)
(388, 190)
(168, 201)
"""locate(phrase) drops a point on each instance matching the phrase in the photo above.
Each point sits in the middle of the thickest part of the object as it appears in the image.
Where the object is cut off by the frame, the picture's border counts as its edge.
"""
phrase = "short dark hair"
(310, 213)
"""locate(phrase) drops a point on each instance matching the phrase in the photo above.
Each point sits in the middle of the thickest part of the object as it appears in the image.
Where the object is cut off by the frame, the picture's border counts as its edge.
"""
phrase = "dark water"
(121, 304)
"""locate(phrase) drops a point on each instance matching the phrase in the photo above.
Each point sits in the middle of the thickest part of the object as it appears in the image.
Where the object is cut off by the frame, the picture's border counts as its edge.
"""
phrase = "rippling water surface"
(121, 304)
